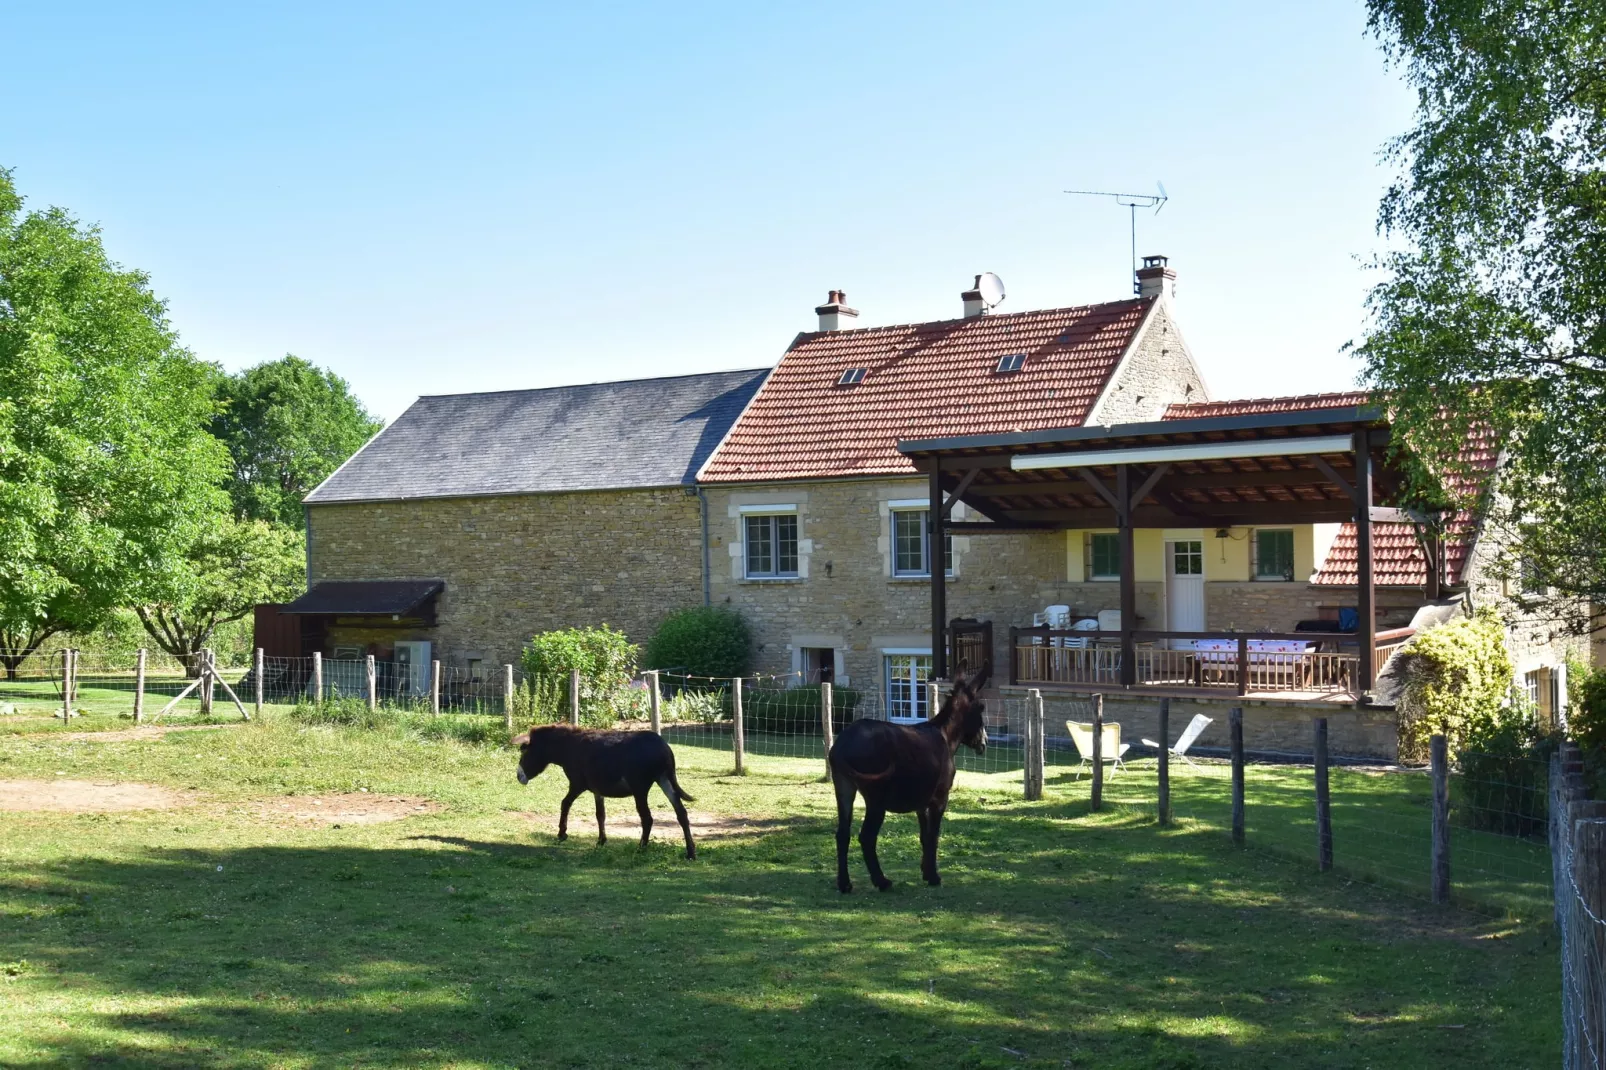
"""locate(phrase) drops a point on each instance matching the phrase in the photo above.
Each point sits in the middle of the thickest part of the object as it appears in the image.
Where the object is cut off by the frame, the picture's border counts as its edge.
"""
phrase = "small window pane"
(1106, 556)
(909, 542)
(1187, 558)
(1274, 555)
(785, 544)
(906, 684)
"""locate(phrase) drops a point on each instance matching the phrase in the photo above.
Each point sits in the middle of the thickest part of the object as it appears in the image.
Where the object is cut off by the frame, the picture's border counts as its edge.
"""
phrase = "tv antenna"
(1132, 202)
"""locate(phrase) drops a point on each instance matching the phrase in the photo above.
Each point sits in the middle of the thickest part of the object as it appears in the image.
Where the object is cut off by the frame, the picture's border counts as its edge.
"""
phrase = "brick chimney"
(1155, 279)
(835, 315)
(974, 305)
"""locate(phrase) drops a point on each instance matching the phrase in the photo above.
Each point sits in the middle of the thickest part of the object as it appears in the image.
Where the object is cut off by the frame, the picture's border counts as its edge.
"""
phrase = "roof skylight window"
(1011, 362)
(852, 377)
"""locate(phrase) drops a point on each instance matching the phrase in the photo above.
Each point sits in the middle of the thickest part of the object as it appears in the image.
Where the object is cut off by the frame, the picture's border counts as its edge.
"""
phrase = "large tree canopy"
(107, 470)
(287, 424)
(1493, 313)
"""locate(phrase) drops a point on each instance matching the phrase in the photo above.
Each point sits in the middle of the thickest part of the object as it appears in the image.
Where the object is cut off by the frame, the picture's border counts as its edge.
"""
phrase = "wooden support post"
(1243, 665)
(1129, 597)
(1235, 723)
(1324, 809)
(317, 678)
(1097, 799)
(738, 740)
(435, 688)
(139, 686)
(507, 696)
(1163, 805)
(654, 702)
(827, 728)
(371, 678)
(208, 682)
(574, 696)
(260, 667)
(935, 560)
(1439, 762)
(1365, 590)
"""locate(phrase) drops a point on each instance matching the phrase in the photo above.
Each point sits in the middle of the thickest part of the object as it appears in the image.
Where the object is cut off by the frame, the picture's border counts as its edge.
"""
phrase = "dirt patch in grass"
(133, 735)
(86, 796)
(628, 824)
(346, 808)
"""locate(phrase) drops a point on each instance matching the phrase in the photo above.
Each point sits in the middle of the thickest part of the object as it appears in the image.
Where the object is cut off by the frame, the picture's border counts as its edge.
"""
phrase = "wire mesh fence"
(1578, 856)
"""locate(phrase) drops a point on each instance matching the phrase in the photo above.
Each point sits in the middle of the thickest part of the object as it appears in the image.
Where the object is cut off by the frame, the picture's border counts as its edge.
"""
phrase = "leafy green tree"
(1492, 315)
(231, 566)
(107, 472)
(703, 641)
(287, 425)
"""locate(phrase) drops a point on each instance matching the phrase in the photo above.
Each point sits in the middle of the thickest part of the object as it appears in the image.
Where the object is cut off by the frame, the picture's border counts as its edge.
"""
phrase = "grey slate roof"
(602, 436)
(365, 597)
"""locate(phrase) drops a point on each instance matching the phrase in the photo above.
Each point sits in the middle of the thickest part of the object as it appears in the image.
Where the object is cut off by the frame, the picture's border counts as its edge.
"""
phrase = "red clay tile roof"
(922, 380)
(1397, 559)
(1194, 410)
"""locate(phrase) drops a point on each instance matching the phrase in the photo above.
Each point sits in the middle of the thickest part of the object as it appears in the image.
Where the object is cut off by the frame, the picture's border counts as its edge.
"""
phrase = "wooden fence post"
(66, 683)
(261, 667)
(1324, 809)
(139, 686)
(1439, 761)
(654, 701)
(1034, 745)
(372, 682)
(435, 688)
(1098, 753)
(1163, 804)
(1235, 723)
(737, 739)
(933, 699)
(574, 696)
(208, 682)
(827, 728)
(317, 678)
(507, 696)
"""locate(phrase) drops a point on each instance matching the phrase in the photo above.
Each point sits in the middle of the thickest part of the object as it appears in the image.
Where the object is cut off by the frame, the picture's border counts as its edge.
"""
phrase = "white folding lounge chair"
(1189, 735)
(1112, 747)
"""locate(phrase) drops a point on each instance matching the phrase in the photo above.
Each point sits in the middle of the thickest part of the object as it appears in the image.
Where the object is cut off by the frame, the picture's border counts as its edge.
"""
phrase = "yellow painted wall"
(1227, 560)
(1148, 555)
(1304, 552)
(1075, 551)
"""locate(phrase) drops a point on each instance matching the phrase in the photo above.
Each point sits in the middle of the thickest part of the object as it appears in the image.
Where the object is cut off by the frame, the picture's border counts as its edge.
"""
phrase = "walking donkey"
(606, 764)
(903, 768)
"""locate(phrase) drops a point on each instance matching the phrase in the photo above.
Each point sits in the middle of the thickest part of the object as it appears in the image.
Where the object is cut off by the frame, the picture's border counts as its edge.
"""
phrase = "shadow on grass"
(1054, 942)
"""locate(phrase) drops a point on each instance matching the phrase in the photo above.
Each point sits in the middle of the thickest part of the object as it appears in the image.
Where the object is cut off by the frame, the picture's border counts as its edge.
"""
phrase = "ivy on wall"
(1457, 676)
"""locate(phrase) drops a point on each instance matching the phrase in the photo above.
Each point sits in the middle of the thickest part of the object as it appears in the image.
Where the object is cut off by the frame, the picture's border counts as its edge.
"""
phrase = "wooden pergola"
(1307, 467)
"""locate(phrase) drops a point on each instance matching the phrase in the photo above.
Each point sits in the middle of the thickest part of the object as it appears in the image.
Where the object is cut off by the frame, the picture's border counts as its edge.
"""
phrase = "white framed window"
(1187, 557)
(911, 544)
(770, 545)
(1274, 553)
(906, 673)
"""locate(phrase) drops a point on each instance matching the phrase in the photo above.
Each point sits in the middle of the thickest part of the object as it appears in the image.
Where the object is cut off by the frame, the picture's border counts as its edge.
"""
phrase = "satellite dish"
(991, 288)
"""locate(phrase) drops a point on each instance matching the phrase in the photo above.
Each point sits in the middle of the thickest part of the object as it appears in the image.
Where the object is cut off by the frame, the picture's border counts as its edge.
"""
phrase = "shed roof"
(365, 597)
(601, 436)
(919, 380)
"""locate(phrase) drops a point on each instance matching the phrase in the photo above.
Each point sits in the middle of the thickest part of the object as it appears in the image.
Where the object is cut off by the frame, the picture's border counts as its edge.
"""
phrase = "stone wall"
(521, 564)
(1270, 727)
(1159, 370)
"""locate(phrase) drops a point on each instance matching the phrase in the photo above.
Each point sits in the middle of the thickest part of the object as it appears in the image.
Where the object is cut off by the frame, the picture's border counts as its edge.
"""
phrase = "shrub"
(605, 658)
(1454, 675)
(704, 707)
(705, 641)
(1586, 720)
(1502, 774)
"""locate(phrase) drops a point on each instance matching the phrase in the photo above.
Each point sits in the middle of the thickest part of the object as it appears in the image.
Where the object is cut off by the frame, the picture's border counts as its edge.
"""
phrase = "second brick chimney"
(1155, 279)
(835, 315)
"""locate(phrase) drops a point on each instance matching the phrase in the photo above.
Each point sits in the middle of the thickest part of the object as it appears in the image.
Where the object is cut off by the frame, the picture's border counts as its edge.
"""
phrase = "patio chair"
(1189, 735)
(1112, 747)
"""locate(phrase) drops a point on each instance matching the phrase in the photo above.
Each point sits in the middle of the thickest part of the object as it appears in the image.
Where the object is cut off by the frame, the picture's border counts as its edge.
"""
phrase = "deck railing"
(1244, 663)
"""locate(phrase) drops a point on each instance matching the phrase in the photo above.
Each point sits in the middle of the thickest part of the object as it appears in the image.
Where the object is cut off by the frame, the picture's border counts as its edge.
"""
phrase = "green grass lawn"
(215, 935)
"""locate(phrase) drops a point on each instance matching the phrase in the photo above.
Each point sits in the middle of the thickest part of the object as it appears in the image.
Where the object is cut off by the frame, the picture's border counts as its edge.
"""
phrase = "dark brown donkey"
(606, 764)
(902, 768)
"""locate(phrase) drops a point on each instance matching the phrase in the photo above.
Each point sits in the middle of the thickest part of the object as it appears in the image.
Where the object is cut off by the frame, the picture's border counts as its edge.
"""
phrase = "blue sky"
(477, 197)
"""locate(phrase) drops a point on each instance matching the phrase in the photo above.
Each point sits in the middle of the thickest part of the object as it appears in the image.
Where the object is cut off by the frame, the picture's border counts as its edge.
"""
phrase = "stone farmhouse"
(809, 498)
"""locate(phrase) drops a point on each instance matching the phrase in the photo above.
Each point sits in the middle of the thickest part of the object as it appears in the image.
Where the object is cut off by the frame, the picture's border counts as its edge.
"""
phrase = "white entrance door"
(1184, 588)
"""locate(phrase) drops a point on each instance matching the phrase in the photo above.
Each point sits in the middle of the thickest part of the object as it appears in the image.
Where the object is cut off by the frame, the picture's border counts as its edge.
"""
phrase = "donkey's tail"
(674, 782)
(865, 778)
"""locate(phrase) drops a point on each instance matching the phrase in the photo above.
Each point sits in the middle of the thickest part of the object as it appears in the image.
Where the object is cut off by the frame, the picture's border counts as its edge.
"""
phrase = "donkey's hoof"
(691, 854)
(883, 884)
(844, 886)
(934, 880)
(562, 836)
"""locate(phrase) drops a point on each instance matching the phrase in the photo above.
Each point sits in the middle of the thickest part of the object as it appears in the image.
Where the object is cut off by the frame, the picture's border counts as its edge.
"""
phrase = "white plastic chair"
(1078, 642)
(1109, 620)
(1112, 747)
(1189, 735)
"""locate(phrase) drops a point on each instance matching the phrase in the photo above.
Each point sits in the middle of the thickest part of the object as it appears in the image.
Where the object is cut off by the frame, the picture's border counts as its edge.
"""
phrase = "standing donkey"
(616, 764)
(903, 768)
